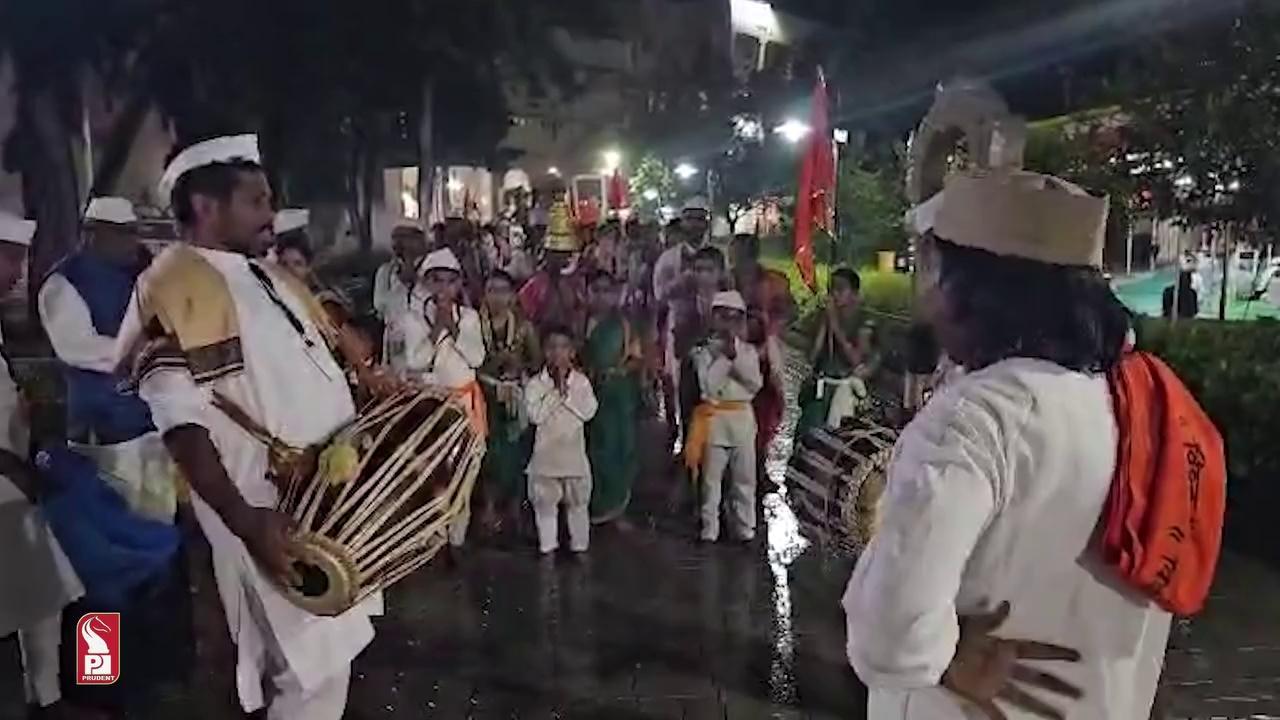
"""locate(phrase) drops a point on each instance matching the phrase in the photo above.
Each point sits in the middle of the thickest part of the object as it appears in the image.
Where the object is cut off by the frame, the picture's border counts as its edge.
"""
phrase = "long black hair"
(1010, 307)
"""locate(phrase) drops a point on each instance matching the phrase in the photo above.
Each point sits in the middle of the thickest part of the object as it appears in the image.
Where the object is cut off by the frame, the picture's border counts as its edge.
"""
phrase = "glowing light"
(612, 159)
(840, 135)
(553, 170)
(684, 171)
(793, 131)
(454, 185)
(746, 127)
(650, 194)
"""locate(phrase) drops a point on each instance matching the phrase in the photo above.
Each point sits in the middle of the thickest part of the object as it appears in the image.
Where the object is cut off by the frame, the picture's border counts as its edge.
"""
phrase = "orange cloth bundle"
(695, 442)
(1162, 524)
(472, 397)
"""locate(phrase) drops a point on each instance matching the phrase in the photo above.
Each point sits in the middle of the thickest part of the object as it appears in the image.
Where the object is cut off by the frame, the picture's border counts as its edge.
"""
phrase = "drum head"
(327, 577)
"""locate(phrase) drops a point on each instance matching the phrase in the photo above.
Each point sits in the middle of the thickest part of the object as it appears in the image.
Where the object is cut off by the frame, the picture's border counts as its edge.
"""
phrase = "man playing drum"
(212, 333)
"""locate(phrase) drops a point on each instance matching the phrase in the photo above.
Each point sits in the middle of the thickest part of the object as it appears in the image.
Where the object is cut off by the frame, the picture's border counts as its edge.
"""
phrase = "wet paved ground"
(653, 625)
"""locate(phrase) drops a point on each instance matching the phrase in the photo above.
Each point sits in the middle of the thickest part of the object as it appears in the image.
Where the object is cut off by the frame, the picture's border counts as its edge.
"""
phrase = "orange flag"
(815, 198)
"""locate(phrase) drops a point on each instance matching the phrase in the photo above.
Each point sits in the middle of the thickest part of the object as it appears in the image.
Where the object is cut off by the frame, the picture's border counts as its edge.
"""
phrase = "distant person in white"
(395, 290)
(36, 579)
(996, 488)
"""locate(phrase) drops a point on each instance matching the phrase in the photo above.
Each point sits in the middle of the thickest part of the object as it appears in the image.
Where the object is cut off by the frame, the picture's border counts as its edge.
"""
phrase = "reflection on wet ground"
(654, 625)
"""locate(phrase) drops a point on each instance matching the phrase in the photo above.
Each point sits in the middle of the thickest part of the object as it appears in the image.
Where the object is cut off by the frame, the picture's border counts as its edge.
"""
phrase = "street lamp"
(793, 131)
(650, 194)
(685, 170)
(612, 159)
(553, 170)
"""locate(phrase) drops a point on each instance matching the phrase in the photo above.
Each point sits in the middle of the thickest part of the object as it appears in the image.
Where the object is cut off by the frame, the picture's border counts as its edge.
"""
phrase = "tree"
(1203, 117)
(652, 185)
(870, 205)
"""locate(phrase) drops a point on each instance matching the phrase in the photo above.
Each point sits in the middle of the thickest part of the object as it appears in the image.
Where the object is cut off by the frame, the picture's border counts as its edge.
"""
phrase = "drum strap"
(283, 459)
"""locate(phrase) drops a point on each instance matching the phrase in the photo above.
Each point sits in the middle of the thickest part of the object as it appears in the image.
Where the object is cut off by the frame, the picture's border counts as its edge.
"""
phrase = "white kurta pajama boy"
(448, 361)
(994, 494)
(559, 470)
(291, 385)
(727, 387)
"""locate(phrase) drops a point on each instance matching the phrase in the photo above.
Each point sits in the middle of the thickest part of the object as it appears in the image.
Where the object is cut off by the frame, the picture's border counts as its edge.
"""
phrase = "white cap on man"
(730, 300)
(113, 210)
(443, 259)
(16, 230)
(1022, 214)
(291, 219)
(217, 150)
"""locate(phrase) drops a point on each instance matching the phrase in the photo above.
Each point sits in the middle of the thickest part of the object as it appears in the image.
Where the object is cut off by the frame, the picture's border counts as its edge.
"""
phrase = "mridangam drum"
(835, 479)
(381, 499)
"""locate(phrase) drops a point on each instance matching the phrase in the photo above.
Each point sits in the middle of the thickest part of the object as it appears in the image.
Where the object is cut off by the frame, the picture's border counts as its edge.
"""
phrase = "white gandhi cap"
(1021, 214)
(115, 210)
(218, 150)
(730, 299)
(16, 230)
(441, 260)
(290, 219)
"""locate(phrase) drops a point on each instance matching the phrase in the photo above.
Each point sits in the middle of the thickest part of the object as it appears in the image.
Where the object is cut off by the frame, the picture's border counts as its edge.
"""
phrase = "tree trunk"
(115, 153)
(1226, 273)
(426, 152)
(48, 182)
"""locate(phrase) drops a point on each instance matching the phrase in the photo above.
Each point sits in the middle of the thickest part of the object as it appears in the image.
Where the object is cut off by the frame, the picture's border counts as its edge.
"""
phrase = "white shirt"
(730, 428)
(668, 271)
(393, 301)
(994, 494)
(448, 361)
(294, 388)
(560, 444)
(66, 319)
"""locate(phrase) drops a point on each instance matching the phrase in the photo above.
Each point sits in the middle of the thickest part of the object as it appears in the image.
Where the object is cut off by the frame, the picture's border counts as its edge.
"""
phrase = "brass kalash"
(381, 497)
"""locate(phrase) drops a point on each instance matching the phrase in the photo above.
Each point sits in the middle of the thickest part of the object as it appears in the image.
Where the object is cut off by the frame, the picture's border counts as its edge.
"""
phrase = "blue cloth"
(95, 403)
(112, 549)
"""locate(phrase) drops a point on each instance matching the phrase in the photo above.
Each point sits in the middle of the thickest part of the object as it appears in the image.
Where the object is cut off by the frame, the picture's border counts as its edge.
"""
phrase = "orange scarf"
(1161, 527)
(695, 444)
(471, 396)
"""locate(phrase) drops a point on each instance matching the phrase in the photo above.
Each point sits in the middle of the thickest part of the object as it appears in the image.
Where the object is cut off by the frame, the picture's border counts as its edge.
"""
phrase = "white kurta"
(392, 301)
(294, 388)
(36, 579)
(449, 361)
(994, 494)
(730, 428)
(560, 444)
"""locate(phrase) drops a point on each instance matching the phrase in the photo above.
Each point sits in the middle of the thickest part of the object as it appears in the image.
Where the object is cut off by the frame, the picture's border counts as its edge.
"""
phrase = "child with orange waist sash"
(445, 345)
(720, 449)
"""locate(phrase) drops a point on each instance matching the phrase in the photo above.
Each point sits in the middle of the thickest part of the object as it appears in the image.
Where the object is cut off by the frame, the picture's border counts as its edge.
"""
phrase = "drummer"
(212, 333)
(38, 581)
(445, 346)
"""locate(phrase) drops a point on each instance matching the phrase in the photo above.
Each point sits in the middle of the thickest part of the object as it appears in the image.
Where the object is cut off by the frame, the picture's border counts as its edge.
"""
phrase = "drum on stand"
(835, 480)
(381, 499)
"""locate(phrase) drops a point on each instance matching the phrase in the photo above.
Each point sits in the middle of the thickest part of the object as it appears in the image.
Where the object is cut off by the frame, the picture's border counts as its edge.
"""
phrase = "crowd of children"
(559, 366)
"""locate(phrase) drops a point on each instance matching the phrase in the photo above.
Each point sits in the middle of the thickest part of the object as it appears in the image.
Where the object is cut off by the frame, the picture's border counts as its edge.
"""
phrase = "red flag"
(815, 197)
(617, 192)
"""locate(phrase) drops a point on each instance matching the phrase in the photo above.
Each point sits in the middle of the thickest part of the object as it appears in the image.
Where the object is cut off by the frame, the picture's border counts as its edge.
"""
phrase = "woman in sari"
(612, 357)
(839, 359)
(512, 354)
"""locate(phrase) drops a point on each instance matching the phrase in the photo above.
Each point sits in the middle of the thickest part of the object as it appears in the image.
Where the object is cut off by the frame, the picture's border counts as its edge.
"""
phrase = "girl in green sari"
(512, 354)
(839, 357)
(612, 358)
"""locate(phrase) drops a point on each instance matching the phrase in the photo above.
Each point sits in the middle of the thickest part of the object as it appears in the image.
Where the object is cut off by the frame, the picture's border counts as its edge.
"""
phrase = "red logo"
(98, 649)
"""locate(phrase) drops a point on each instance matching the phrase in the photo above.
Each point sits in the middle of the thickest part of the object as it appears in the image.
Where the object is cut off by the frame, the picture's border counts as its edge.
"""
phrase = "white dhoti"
(847, 394)
(546, 495)
(39, 643)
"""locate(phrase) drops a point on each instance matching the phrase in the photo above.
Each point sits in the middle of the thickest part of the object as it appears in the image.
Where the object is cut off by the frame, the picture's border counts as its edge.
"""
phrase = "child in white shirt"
(722, 433)
(560, 402)
(444, 346)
